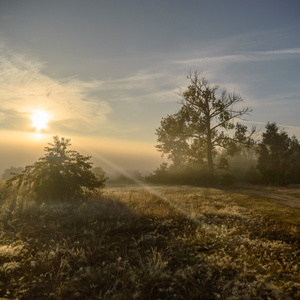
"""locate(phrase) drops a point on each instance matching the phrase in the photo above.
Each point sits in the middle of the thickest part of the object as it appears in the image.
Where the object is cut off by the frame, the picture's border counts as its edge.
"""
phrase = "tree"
(278, 156)
(60, 173)
(293, 173)
(99, 173)
(10, 172)
(201, 126)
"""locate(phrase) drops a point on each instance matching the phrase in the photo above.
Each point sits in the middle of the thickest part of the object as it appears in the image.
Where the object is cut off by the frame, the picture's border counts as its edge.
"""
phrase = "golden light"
(40, 119)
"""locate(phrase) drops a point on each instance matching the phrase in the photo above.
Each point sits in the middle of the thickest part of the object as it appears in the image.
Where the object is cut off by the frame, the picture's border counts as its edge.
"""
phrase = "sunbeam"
(147, 187)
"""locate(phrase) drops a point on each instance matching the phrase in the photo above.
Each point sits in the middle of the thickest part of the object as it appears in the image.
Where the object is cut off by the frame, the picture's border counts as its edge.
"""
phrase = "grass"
(297, 195)
(270, 208)
(163, 243)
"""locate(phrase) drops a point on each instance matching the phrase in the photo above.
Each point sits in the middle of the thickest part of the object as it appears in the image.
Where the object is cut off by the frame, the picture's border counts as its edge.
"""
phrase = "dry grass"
(164, 243)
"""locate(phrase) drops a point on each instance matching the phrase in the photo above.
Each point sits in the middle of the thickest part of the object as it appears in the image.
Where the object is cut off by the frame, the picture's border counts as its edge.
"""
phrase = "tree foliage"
(278, 156)
(60, 173)
(11, 172)
(99, 173)
(203, 125)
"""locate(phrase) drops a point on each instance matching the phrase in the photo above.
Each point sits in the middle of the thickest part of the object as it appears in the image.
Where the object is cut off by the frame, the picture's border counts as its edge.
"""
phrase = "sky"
(104, 73)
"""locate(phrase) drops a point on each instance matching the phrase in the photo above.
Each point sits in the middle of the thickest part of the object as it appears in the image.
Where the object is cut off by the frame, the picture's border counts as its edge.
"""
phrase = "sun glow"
(40, 119)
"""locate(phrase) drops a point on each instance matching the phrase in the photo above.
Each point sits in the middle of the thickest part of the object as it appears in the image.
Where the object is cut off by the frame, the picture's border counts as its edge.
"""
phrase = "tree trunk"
(209, 155)
(209, 143)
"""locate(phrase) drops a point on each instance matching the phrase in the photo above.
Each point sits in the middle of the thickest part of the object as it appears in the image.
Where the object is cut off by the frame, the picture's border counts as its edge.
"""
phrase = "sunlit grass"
(131, 243)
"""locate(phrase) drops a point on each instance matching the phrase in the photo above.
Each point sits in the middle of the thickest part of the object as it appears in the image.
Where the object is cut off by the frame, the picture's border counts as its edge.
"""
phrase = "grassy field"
(156, 243)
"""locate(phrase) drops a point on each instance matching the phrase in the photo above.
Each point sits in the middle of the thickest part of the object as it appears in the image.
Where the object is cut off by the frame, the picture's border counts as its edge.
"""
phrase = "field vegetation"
(149, 243)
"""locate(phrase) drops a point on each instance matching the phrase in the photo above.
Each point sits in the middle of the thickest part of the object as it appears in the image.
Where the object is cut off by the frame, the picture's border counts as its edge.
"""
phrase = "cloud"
(24, 88)
(150, 85)
(218, 59)
(291, 130)
(279, 52)
(243, 57)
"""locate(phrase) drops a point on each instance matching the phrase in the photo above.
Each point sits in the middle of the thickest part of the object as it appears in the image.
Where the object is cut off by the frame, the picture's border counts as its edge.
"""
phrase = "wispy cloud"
(24, 88)
(279, 52)
(218, 59)
(144, 86)
(291, 130)
(245, 56)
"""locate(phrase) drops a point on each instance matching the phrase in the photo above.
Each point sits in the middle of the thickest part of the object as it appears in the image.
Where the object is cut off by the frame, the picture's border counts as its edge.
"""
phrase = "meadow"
(158, 242)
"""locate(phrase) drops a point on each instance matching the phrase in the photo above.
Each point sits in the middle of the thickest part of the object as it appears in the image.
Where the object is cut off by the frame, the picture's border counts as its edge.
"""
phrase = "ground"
(286, 196)
(141, 242)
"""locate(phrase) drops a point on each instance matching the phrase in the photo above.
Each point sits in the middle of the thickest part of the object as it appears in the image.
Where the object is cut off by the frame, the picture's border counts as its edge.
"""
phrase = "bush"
(253, 176)
(188, 175)
(227, 179)
(10, 172)
(60, 174)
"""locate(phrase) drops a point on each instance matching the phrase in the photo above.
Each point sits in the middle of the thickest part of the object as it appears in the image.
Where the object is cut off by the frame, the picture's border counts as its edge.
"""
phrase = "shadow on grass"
(99, 249)
(126, 245)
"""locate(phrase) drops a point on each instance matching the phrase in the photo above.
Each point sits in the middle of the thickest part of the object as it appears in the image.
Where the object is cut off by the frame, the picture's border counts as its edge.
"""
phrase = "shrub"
(187, 175)
(10, 172)
(226, 179)
(60, 174)
(253, 176)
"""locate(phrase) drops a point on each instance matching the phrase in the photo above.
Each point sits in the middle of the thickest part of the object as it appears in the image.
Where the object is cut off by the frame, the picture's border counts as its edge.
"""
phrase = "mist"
(21, 149)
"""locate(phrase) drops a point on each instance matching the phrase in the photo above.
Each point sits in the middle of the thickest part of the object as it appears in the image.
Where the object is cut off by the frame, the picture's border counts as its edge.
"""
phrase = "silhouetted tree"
(99, 173)
(278, 156)
(202, 124)
(60, 173)
(293, 173)
(11, 172)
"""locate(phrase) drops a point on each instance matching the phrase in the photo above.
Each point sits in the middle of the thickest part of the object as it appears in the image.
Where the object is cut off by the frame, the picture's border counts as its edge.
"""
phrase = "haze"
(106, 72)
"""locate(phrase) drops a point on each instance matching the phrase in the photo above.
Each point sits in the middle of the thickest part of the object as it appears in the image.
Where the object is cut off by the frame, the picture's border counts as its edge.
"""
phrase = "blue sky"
(108, 71)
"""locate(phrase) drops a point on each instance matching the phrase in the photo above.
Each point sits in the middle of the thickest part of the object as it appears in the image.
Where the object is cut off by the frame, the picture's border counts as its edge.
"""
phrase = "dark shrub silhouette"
(60, 174)
(10, 172)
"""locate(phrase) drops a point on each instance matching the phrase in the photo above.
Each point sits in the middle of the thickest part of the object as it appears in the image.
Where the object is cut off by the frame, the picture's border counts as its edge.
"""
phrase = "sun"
(40, 120)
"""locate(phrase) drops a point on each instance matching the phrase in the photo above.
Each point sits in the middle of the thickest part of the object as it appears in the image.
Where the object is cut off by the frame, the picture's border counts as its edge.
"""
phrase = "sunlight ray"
(150, 189)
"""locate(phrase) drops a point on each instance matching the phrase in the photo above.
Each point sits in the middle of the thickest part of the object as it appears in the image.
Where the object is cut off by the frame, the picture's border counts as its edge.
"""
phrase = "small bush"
(226, 179)
(188, 175)
(60, 174)
(10, 172)
(253, 176)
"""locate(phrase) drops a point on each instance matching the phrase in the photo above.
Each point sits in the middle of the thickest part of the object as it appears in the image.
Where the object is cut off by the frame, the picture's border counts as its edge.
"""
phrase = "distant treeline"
(275, 160)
